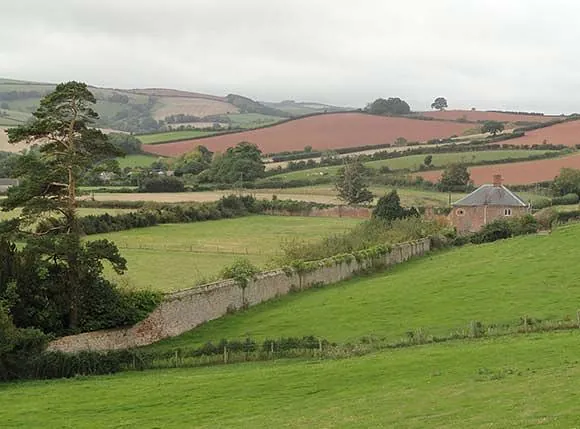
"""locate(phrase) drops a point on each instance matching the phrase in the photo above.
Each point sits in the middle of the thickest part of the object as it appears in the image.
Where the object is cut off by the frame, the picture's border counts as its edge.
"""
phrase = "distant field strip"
(173, 136)
(413, 162)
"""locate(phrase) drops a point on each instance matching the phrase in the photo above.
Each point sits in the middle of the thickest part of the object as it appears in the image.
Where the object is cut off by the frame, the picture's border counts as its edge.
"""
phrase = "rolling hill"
(323, 132)
(139, 110)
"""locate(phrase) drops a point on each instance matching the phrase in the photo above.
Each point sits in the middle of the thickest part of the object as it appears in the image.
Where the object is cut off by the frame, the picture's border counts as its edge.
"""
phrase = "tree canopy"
(389, 208)
(351, 183)
(193, 162)
(55, 282)
(492, 127)
(455, 177)
(567, 182)
(440, 104)
(241, 163)
(392, 106)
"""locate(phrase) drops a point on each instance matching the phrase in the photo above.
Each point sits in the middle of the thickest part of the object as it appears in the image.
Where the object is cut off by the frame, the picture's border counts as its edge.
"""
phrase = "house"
(7, 183)
(484, 205)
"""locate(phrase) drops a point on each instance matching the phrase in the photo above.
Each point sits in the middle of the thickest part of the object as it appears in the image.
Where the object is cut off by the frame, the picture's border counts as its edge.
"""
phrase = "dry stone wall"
(184, 310)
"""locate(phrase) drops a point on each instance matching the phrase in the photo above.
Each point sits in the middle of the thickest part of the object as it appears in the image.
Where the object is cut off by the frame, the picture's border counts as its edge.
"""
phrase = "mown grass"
(523, 381)
(534, 276)
(413, 162)
(172, 135)
(178, 256)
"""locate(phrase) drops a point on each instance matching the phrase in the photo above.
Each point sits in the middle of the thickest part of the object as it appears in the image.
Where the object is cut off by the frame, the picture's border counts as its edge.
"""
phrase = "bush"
(241, 270)
(162, 184)
(567, 199)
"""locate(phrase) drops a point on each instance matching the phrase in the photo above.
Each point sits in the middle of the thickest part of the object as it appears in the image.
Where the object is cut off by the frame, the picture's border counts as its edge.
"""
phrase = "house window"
(507, 212)
(460, 212)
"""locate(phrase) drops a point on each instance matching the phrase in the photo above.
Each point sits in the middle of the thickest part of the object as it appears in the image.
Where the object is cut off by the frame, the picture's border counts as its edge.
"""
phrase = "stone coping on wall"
(186, 309)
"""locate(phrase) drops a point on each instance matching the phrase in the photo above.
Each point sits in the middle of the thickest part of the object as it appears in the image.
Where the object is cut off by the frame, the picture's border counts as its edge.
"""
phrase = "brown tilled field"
(567, 133)
(519, 173)
(475, 115)
(322, 132)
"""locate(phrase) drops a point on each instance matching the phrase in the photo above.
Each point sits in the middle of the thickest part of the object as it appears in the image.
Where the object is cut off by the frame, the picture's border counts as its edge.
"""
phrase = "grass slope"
(177, 256)
(536, 276)
(414, 161)
(524, 381)
(136, 161)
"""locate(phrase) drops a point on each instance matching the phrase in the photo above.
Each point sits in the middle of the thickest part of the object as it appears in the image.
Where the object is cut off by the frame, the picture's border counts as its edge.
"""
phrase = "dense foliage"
(492, 127)
(389, 208)
(238, 164)
(567, 182)
(440, 103)
(455, 177)
(391, 106)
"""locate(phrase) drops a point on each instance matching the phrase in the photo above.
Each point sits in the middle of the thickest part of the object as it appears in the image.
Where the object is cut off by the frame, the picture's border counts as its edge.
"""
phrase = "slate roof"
(8, 182)
(490, 195)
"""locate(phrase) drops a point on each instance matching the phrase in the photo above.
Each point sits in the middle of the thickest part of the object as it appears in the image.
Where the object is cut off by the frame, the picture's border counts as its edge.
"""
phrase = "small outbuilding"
(486, 204)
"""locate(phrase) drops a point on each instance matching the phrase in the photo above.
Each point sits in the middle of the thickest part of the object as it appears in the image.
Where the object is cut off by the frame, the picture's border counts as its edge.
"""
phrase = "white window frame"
(507, 212)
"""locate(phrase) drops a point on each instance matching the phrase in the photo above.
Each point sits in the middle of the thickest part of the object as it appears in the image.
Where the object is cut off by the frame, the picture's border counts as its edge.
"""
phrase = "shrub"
(241, 270)
(162, 184)
(567, 199)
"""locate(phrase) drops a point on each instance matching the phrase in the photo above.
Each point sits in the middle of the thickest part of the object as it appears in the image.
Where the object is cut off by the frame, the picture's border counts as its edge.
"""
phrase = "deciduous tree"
(492, 127)
(440, 104)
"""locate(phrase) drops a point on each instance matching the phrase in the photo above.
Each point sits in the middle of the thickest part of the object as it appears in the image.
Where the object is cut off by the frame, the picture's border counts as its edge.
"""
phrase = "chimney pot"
(497, 180)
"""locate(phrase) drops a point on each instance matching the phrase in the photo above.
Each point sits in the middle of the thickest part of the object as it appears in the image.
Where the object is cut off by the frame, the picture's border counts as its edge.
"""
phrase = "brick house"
(486, 204)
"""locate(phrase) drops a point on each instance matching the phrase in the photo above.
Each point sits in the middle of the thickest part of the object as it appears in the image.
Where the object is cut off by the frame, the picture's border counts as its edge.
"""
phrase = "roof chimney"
(497, 180)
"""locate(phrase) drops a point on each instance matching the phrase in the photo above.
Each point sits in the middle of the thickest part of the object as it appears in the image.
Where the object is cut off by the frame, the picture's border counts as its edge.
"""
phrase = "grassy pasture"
(136, 161)
(177, 256)
(413, 162)
(535, 276)
(173, 135)
(524, 381)
(252, 120)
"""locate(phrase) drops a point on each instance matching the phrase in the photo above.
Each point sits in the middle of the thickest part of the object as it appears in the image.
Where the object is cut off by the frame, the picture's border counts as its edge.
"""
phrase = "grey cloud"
(517, 54)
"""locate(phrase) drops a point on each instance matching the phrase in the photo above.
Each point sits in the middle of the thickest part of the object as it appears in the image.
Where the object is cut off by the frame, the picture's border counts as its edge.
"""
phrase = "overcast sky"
(503, 54)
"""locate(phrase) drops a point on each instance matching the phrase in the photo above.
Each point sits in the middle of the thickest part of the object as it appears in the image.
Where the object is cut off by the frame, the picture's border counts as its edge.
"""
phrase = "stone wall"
(184, 310)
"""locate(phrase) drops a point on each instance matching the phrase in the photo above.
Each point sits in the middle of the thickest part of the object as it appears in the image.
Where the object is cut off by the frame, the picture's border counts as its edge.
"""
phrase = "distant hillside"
(323, 132)
(143, 110)
(516, 118)
(299, 108)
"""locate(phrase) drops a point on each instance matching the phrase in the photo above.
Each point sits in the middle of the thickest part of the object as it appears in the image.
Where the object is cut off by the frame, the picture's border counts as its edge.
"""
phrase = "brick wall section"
(475, 217)
(184, 310)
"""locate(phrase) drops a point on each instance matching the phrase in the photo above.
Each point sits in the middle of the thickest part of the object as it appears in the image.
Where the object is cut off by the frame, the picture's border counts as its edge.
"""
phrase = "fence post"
(225, 354)
(578, 317)
(320, 345)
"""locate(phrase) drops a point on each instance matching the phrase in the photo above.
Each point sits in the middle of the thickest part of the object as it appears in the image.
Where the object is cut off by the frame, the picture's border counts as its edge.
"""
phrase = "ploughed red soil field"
(322, 132)
(566, 133)
(518, 173)
(475, 115)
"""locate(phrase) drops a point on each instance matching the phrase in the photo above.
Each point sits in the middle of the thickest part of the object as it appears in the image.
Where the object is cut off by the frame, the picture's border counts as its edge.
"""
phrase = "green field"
(535, 276)
(178, 256)
(173, 135)
(512, 382)
(413, 162)
(137, 161)
(252, 120)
